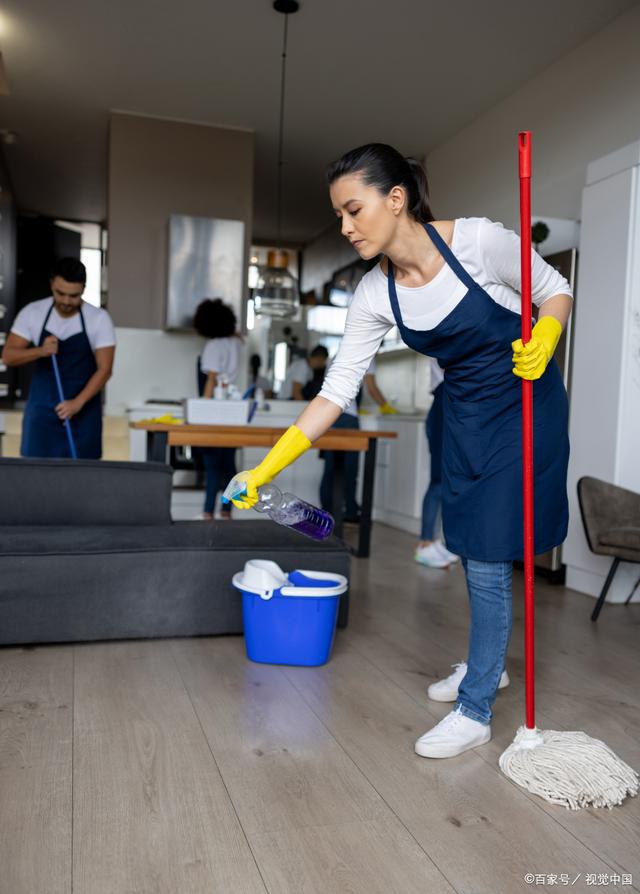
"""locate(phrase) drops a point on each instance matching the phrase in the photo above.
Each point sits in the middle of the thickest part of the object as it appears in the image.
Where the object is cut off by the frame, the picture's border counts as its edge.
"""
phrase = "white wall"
(152, 364)
(585, 105)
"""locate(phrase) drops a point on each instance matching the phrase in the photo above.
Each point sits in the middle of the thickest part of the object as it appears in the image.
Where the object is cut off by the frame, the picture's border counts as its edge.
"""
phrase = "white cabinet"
(402, 471)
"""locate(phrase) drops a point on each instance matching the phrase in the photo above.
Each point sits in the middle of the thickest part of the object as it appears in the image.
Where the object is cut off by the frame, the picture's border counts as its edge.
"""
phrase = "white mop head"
(568, 768)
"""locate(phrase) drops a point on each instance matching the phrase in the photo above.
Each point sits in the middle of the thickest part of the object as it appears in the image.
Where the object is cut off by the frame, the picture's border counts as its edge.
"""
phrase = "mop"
(67, 422)
(566, 768)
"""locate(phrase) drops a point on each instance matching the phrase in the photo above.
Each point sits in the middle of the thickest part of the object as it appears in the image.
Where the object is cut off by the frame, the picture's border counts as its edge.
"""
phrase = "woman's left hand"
(531, 360)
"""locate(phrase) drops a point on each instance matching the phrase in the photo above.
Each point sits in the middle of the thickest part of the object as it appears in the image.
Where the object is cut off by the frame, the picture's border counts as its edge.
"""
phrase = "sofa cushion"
(117, 583)
(84, 492)
(43, 540)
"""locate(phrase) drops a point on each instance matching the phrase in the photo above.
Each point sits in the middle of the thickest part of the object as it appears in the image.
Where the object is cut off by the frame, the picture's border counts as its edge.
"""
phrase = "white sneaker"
(430, 556)
(453, 735)
(445, 553)
(447, 690)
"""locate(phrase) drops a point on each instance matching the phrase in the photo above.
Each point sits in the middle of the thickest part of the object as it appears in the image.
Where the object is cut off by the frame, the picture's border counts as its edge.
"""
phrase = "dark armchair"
(611, 518)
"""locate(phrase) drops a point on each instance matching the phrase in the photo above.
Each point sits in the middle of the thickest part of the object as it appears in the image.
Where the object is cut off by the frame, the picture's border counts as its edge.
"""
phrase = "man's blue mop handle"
(67, 423)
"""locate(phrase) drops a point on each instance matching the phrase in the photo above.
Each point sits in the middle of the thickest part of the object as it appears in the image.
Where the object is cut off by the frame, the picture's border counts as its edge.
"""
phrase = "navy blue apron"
(43, 433)
(482, 437)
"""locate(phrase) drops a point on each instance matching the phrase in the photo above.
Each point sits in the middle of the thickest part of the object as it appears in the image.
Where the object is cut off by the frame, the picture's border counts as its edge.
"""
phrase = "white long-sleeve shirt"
(487, 251)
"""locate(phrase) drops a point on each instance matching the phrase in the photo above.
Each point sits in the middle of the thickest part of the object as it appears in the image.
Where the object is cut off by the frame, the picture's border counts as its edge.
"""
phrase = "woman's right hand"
(49, 346)
(252, 481)
(291, 445)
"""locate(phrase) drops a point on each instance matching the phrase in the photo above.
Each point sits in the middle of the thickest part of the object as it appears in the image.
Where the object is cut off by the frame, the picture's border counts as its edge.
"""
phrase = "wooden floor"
(176, 767)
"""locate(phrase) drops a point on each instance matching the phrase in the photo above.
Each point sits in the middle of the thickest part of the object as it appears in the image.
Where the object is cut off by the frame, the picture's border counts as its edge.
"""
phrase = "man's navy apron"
(43, 433)
(482, 439)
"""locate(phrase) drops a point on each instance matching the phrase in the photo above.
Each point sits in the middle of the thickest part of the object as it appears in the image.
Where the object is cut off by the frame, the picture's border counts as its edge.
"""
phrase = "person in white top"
(219, 364)
(301, 372)
(257, 383)
(452, 288)
(82, 339)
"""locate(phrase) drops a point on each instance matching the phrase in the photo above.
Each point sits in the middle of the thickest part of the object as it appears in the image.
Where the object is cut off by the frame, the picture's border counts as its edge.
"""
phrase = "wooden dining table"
(161, 436)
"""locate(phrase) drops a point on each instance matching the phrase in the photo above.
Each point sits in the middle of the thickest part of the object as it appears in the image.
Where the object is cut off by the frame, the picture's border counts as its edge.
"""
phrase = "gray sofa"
(88, 551)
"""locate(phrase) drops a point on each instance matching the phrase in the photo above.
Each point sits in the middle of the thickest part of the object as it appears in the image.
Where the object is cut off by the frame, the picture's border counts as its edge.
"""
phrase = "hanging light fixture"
(276, 293)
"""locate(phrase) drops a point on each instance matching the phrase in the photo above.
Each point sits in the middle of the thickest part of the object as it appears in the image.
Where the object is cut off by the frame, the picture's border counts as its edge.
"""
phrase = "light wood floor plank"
(451, 807)
(190, 770)
(604, 704)
(351, 858)
(614, 835)
(311, 817)
(36, 721)
(151, 813)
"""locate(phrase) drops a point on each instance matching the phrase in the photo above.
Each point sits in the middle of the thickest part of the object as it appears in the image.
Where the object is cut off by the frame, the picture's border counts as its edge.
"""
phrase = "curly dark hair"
(214, 319)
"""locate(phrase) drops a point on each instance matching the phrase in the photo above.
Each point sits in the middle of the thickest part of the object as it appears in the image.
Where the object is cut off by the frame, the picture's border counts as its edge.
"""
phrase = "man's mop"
(67, 422)
(567, 768)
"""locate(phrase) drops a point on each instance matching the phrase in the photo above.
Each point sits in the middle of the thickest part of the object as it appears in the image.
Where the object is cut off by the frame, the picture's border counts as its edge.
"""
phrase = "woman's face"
(368, 219)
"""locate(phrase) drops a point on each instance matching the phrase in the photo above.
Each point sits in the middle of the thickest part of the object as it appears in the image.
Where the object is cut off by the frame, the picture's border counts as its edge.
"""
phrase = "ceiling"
(408, 72)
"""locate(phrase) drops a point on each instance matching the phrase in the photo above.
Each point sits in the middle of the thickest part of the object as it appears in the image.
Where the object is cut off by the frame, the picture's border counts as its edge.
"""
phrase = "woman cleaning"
(218, 364)
(452, 288)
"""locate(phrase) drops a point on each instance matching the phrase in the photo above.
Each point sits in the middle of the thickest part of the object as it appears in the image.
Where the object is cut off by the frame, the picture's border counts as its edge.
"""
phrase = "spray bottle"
(285, 509)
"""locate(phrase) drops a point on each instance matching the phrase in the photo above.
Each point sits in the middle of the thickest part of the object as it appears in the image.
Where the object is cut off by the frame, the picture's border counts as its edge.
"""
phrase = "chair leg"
(630, 596)
(605, 589)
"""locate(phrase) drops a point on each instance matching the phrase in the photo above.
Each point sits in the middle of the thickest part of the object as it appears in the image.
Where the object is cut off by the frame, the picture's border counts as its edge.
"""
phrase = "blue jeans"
(432, 501)
(489, 586)
(220, 467)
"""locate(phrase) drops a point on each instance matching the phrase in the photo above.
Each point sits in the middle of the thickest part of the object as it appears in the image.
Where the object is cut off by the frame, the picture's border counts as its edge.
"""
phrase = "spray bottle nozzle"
(235, 488)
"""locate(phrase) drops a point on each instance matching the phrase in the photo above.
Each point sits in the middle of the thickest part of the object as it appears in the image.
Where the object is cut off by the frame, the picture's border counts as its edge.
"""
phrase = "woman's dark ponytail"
(384, 167)
(421, 208)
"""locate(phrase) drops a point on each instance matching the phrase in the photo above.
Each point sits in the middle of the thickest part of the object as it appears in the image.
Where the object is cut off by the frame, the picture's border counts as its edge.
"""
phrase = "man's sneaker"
(447, 690)
(445, 553)
(430, 555)
(453, 735)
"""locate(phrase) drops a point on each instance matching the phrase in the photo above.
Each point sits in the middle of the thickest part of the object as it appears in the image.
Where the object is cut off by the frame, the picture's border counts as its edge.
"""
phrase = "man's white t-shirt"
(486, 250)
(30, 320)
(300, 372)
(222, 356)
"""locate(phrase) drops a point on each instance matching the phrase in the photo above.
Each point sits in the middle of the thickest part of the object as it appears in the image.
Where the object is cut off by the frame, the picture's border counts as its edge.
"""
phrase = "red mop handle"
(524, 147)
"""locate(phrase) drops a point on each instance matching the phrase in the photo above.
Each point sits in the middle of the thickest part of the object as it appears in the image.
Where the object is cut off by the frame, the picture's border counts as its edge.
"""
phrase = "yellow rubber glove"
(530, 360)
(291, 445)
(387, 410)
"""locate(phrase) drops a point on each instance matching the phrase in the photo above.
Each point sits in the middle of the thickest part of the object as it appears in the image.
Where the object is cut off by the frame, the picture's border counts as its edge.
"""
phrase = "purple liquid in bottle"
(317, 524)
(301, 516)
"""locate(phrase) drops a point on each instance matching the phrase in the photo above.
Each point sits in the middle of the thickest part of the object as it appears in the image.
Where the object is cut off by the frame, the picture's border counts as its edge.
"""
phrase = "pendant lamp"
(276, 293)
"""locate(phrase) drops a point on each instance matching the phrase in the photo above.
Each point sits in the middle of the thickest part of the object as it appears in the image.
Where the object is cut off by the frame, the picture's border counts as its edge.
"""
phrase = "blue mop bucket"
(288, 619)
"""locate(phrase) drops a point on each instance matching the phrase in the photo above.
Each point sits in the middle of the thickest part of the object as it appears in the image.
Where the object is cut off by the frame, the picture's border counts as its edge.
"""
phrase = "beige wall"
(158, 168)
(325, 254)
(585, 105)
